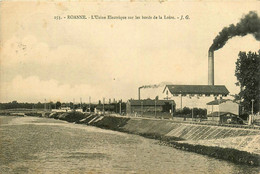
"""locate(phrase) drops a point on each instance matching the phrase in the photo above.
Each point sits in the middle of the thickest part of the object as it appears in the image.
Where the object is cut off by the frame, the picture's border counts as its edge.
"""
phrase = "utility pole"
(89, 104)
(219, 110)
(181, 101)
(45, 104)
(116, 106)
(155, 107)
(252, 106)
(50, 106)
(142, 108)
(73, 103)
(120, 109)
(172, 108)
(104, 106)
(192, 113)
(80, 103)
(251, 119)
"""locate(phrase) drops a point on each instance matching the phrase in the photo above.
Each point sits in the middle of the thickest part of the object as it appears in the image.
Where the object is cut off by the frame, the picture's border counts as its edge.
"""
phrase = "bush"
(187, 112)
(244, 116)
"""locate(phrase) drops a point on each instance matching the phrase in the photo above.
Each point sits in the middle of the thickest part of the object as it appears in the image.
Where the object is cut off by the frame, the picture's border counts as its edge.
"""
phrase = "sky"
(65, 60)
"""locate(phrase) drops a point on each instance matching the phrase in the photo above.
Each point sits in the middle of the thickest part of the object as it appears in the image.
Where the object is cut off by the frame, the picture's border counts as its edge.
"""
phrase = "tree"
(71, 105)
(58, 105)
(248, 76)
(51, 105)
(186, 111)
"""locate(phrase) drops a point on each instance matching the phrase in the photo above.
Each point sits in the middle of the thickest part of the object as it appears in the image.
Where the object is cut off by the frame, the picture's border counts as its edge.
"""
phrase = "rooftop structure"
(197, 89)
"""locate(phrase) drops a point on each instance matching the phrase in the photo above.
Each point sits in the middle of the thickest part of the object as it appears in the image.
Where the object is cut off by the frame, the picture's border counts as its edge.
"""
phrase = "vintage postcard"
(129, 86)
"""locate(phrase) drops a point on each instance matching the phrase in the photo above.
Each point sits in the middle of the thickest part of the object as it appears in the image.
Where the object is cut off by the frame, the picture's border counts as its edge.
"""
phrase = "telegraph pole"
(219, 111)
(192, 113)
(104, 106)
(251, 117)
(172, 108)
(142, 112)
(45, 104)
(89, 104)
(252, 106)
(74, 104)
(181, 101)
(80, 103)
(155, 107)
(50, 106)
(120, 109)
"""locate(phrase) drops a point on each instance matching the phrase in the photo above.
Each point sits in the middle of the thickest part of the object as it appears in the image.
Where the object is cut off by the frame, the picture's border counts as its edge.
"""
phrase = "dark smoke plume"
(156, 85)
(249, 24)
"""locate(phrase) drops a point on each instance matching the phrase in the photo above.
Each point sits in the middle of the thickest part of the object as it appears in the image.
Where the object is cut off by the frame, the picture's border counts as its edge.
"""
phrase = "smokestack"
(211, 67)
(249, 24)
(152, 86)
(139, 93)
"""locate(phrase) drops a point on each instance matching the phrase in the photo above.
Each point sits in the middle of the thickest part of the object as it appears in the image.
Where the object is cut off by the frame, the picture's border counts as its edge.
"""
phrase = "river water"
(41, 145)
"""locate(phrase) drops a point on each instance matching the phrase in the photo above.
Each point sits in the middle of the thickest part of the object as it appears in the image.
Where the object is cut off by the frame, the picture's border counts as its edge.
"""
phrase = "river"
(42, 145)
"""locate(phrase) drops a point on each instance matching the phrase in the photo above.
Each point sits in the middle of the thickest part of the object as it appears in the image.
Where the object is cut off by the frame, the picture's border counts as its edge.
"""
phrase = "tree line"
(248, 78)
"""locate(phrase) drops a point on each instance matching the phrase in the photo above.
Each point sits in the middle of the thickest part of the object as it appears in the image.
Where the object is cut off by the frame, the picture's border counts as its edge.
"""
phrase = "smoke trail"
(249, 24)
(156, 85)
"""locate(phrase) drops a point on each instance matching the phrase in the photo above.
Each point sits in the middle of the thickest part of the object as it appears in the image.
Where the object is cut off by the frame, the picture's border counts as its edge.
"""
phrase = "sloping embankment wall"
(167, 128)
(190, 137)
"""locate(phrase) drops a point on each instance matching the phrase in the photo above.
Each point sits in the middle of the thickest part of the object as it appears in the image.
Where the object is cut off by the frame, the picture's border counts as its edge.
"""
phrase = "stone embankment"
(239, 145)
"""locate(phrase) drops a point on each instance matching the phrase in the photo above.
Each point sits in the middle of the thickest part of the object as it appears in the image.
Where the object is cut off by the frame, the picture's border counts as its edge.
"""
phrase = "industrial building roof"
(149, 102)
(197, 89)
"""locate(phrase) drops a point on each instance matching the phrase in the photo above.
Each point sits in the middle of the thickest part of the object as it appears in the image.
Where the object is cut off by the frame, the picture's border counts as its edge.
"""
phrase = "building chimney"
(139, 93)
(211, 68)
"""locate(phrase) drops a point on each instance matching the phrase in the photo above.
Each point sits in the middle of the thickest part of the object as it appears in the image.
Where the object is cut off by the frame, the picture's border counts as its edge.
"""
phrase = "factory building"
(149, 107)
(223, 105)
(223, 111)
(194, 96)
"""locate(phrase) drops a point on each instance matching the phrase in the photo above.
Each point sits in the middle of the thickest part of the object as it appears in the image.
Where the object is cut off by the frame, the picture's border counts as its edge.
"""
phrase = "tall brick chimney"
(211, 68)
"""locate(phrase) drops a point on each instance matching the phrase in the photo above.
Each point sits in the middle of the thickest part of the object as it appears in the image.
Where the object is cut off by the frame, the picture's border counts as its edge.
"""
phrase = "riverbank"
(241, 145)
(44, 145)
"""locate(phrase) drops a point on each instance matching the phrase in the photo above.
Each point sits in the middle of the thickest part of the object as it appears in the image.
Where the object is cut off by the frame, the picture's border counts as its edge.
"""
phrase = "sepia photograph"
(170, 87)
